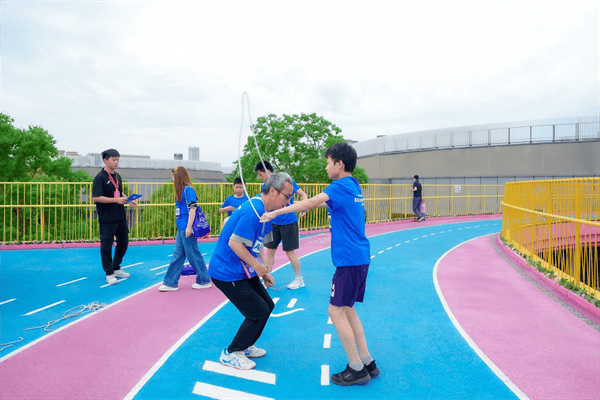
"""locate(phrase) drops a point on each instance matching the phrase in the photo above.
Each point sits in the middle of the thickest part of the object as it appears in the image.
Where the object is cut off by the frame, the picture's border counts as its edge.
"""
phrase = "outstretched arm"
(303, 205)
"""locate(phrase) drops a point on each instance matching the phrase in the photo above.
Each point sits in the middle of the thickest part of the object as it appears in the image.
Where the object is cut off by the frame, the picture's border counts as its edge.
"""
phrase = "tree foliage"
(295, 144)
(28, 154)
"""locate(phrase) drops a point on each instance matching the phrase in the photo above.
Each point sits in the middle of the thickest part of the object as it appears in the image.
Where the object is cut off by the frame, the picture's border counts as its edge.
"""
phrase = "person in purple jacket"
(351, 255)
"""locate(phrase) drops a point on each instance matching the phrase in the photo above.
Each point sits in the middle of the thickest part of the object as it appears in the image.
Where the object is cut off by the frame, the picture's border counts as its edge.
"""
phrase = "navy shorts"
(348, 285)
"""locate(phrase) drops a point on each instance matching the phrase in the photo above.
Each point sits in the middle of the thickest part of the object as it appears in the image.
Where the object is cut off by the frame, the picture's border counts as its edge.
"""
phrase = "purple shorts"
(348, 285)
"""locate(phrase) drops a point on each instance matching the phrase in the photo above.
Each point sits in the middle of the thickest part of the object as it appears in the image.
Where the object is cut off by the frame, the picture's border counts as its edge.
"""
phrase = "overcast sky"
(154, 78)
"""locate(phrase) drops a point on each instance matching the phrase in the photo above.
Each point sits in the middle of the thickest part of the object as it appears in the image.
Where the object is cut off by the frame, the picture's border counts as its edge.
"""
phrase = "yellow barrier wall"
(555, 222)
(57, 211)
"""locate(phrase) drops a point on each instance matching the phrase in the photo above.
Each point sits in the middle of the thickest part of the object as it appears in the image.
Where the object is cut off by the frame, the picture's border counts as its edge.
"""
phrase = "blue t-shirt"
(181, 207)
(349, 244)
(234, 201)
(243, 226)
(285, 219)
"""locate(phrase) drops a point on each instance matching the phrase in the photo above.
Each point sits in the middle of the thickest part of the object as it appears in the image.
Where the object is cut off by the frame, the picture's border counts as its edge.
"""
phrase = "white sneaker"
(165, 288)
(199, 286)
(111, 280)
(254, 352)
(297, 283)
(237, 360)
(121, 274)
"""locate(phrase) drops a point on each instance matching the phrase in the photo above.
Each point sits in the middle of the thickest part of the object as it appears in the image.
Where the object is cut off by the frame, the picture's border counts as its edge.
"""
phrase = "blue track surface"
(417, 348)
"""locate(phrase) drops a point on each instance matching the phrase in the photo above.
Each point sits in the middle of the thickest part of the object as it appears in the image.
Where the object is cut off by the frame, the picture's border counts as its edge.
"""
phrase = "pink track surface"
(545, 350)
(106, 355)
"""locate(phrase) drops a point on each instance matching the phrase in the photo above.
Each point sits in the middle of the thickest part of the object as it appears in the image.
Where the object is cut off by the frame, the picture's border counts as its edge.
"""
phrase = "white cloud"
(157, 77)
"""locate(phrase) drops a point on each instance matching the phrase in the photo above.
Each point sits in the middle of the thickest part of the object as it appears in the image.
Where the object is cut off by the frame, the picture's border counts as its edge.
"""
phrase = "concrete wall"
(499, 163)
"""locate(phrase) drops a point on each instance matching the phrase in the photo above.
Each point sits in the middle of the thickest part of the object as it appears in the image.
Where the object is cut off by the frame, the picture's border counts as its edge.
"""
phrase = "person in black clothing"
(416, 188)
(107, 193)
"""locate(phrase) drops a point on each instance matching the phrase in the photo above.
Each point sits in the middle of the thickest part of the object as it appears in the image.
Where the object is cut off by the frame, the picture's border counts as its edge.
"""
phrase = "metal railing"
(59, 211)
(499, 134)
(555, 223)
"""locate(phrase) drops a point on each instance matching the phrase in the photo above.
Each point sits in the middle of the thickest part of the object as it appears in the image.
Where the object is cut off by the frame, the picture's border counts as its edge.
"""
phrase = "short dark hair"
(260, 167)
(345, 153)
(237, 181)
(110, 153)
(416, 177)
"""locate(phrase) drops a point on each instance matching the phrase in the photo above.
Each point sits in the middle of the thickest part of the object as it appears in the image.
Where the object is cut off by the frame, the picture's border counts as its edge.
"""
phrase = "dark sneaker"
(351, 377)
(372, 369)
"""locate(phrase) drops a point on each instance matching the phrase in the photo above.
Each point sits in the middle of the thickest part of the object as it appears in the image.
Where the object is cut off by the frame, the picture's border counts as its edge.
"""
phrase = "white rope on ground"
(73, 312)
(9, 344)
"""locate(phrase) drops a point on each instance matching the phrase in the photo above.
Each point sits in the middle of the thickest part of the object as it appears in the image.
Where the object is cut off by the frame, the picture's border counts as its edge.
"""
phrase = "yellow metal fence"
(555, 222)
(58, 211)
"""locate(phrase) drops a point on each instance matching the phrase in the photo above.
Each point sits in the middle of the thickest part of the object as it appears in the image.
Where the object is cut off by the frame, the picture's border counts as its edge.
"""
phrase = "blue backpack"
(200, 225)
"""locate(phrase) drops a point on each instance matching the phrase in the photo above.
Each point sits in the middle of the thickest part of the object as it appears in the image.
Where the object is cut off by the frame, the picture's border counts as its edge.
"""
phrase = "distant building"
(178, 156)
(194, 153)
(145, 169)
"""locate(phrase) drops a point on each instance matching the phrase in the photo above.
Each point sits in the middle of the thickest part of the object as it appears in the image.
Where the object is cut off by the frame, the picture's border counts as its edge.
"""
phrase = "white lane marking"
(221, 393)
(407, 241)
(287, 312)
(324, 375)
(464, 334)
(329, 321)
(380, 252)
(7, 301)
(204, 254)
(275, 300)
(163, 272)
(76, 280)
(459, 229)
(109, 284)
(132, 265)
(468, 227)
(416, 239)
(162, 266)
(486, 225)
(476, 226)
(442, 231)
(327, 341)
(170, 255)
(398, 244)
(432, 233)
(372, 257)
(251, 375)
(50, 334)
(43, 308)
(424, 236)
(449, 230)
(292, 303)
(389, 248)
(169, 352)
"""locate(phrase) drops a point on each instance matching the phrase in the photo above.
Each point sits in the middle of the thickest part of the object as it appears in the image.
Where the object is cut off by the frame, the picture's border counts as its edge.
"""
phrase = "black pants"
(107, 235)
(251, 298)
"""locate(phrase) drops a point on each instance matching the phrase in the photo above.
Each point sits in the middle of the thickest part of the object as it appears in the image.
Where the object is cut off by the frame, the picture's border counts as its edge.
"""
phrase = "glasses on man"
(286, 196)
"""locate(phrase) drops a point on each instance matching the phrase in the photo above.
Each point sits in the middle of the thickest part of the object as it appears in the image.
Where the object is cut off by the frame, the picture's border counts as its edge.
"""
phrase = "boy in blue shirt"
(351, 254)
(236, 199)
(235, 269)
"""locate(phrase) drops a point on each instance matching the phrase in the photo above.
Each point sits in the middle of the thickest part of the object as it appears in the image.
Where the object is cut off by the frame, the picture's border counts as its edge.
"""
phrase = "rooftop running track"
(447, 316)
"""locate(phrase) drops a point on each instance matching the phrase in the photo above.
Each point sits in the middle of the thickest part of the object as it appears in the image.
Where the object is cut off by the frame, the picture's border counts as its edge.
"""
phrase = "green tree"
(295, 144)
(31, 153)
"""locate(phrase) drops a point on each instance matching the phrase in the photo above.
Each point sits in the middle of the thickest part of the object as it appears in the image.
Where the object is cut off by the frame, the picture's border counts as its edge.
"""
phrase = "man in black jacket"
(107, 193)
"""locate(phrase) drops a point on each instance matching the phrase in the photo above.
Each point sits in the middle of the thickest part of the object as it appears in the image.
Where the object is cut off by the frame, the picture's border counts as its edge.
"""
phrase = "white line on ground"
(43, 308)
(7, 301)
(424, 236)
(380, 252)
(407, 241)
(221, 393)
(329, 322)
(170, 255)
(275, 300)
(449, 230)
(108, 284)
(459, 229)
(372, 257)
(389, 248)
(324, 375)
(416, 239)
(327, 341)
(76, 280)
(252, 375)
(163, 272)
(398, 244)
(292, 303)
(204, 254)
(476, 226)
(442, 231)
(432, 233)
(132, 265)
(162, 266)
(468, 227)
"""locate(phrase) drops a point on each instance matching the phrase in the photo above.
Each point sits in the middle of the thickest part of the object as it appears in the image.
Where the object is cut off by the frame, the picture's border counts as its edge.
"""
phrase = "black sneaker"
(351, 377)
(372, 369)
